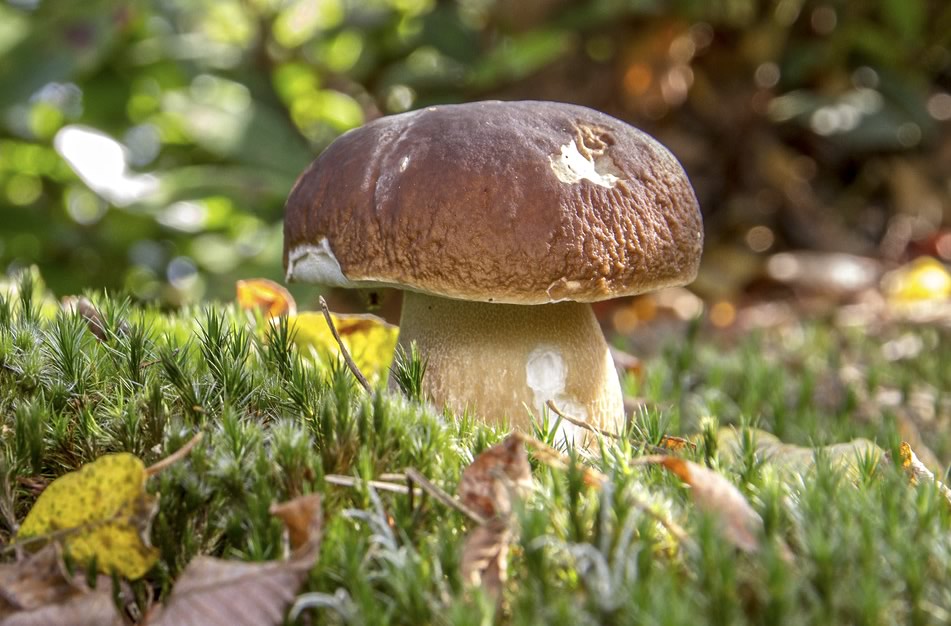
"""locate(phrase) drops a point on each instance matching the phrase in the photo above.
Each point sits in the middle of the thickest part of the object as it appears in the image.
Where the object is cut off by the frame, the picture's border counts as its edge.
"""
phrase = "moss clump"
(867, 546)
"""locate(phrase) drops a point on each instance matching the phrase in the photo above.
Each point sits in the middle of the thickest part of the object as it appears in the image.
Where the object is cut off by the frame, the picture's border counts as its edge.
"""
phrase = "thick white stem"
(500, 361)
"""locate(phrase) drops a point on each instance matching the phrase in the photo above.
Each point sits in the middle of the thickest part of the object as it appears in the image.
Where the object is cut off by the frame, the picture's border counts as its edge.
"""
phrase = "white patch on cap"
(546, 375)
(316, 264)
(404, 163)
(570, 166)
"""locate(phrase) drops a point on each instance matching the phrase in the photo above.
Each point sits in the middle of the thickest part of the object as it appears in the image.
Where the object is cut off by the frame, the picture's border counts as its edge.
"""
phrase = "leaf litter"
(219, 592)
(488, 486)
(38, 590)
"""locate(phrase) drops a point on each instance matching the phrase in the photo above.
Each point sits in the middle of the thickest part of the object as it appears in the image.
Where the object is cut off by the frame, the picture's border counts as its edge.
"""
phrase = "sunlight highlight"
(100, 161)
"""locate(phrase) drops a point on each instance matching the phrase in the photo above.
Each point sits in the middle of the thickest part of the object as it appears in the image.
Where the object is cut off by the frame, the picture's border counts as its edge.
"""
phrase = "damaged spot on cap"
(571, 166)
(316, 264)
(562, 289)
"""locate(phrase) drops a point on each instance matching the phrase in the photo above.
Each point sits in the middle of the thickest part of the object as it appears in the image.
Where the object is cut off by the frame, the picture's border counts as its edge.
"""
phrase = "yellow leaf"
(923, 279)
(370, 340)
(917, 471)
(266, 296)
(100, 512)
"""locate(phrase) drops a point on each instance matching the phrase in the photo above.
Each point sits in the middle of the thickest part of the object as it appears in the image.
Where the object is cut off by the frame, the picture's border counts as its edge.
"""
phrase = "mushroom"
(501, 221)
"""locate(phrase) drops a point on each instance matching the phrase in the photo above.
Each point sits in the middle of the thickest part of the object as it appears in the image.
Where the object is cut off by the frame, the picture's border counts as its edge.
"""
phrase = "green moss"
(867, 548)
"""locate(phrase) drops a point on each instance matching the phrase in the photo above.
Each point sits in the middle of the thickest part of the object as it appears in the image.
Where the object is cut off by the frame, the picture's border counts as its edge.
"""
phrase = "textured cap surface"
(518, 202)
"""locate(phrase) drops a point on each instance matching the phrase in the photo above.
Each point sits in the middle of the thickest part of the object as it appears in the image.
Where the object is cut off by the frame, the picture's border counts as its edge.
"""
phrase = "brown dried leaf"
(302, 518)
(485, 556)
(670, 442)
(232, 593)
(90, 313)
(486, 485)
(38, 591)
(714, 494)
(93, 608)
(33, 582)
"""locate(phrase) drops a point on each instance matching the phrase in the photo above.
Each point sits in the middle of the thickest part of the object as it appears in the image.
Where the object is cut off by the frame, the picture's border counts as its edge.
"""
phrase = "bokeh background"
(147, 147)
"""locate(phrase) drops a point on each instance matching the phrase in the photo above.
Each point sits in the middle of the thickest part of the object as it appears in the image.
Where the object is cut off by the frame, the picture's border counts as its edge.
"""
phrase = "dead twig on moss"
(442, 496)
(668, 442)
(174, 457)
(343, 349)
(380, 485)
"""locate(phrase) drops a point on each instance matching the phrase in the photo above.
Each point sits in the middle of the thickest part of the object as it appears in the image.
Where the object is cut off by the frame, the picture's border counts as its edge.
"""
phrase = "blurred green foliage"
(148, 146)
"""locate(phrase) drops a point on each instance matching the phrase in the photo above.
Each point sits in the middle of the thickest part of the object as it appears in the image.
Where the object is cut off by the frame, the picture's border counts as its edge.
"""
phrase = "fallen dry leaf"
(216, 592)
(301, 517)
(370, 340)
(38, 591)
(89, 312)
(487, 484)
(100, 512)
(487, 487)
(485, 556)
(33, 582)
(266, 296)
(94, 608)
(917, 470)
(714, 494)
(544, 453)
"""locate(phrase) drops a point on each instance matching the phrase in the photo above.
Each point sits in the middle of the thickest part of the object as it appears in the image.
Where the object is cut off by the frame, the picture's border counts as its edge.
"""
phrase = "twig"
(36, 486)
(675, 529)
(650, 459)
(668, 442)
(174, 457)
(349, 481)
(343, 349)
(581, 424)
(442, 496)
(393, 477)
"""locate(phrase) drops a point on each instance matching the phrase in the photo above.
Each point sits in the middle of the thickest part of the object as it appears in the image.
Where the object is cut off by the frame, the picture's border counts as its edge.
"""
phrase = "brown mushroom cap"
(515, 202)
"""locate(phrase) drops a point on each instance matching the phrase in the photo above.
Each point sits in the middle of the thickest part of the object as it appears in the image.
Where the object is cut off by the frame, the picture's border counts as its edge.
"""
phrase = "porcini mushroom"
(501, 221)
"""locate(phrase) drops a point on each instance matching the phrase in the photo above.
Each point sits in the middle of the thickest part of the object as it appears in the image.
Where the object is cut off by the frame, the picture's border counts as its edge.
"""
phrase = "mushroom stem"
(503, 360)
